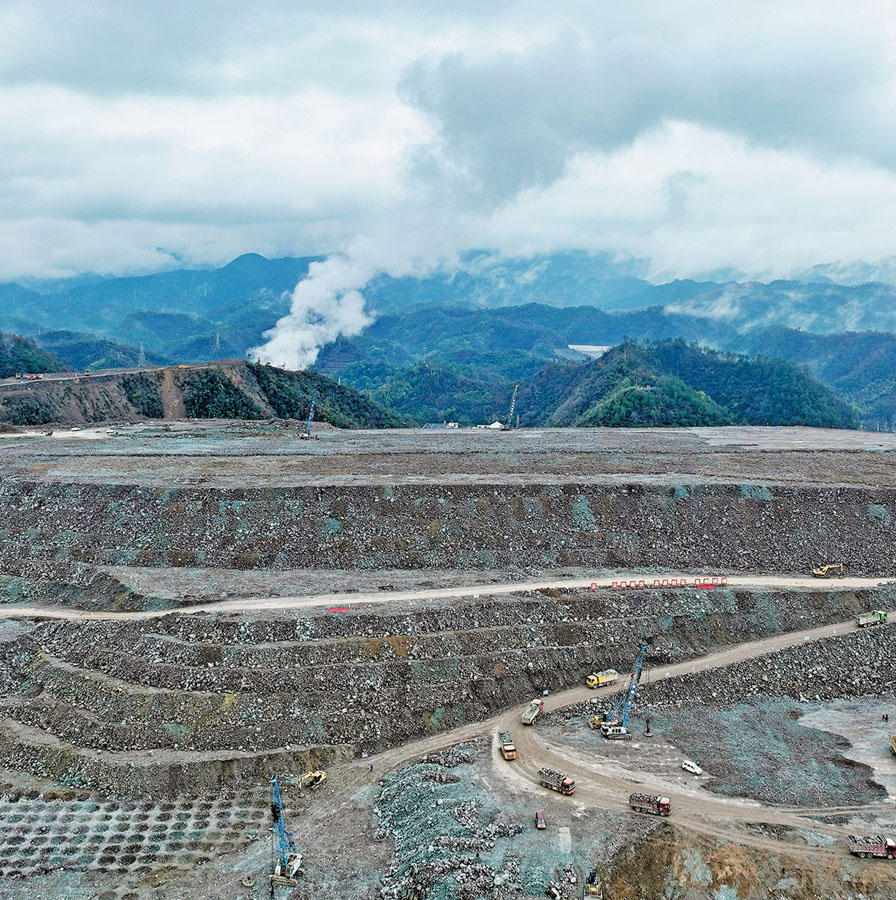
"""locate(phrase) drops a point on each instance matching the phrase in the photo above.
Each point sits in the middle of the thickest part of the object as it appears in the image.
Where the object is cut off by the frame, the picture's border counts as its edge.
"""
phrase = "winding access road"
(306, 601)
(601, 782)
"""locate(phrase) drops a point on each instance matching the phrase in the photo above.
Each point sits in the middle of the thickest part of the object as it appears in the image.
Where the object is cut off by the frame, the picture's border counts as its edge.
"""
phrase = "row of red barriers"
(698, 582)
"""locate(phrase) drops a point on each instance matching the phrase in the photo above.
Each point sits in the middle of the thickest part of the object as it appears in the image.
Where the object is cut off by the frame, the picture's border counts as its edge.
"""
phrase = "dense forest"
(706, 387)
(289, 395)
(18, 354)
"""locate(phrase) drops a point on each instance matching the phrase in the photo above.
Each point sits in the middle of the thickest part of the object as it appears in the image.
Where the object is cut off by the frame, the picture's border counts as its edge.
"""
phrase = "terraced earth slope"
(119, 738)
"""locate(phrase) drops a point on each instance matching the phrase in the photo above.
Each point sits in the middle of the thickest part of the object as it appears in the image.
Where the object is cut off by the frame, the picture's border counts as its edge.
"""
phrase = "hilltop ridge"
(225, 389)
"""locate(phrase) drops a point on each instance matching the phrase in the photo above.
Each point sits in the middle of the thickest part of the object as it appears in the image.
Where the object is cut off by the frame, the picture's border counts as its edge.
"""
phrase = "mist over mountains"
(489, 323)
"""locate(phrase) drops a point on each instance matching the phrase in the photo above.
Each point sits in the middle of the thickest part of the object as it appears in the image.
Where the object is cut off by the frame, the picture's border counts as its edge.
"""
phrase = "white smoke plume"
(325, 304)
(328, 302)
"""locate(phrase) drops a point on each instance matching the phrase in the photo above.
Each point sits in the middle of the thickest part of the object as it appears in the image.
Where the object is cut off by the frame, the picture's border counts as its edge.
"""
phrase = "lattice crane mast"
(307, 432)
(512, 406)
(615, 720)
(288, 861)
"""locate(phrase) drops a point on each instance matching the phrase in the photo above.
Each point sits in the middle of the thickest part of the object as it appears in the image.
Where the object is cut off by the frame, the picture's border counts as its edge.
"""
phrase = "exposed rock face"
(218, 698)
(725, 527)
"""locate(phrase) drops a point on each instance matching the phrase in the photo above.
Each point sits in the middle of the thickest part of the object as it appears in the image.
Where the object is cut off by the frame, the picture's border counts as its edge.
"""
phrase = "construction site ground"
(397, 599)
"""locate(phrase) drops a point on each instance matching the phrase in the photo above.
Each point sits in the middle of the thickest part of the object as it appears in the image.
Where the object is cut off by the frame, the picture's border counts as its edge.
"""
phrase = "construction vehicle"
(306, 434)
(593, 886)
(509, 425)
(878, 617)
(650, 803)
(306, 779)
(556, 781)
(288, 860)
(613, 724)
(508, 748)
(830, 570)
(532, 711)
(866, 845)
(599, 679)
(893, 742)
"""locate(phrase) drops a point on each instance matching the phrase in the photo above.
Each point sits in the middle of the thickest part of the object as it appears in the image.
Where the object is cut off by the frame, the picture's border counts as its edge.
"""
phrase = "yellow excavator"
(306, 779)
(830, 570)
(312, 779)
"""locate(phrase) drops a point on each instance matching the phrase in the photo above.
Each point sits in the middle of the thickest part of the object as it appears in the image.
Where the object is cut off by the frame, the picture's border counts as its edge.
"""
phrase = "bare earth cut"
(186, 613)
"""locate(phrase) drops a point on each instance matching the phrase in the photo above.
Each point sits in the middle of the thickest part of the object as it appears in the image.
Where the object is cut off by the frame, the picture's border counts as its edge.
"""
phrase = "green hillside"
(860, 366)
(289, 395)
(81, 351)
(19, 354)
(675, 383)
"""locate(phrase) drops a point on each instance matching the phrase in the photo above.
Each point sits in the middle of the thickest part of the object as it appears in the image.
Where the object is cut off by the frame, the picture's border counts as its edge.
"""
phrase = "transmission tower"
(141, 359)
(216, 350)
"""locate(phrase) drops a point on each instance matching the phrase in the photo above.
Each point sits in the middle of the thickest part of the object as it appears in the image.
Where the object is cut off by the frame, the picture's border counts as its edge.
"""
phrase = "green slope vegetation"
(81, 351)
(19, 354)
(661, 400)
(859, 365)
(435, 393)
(289, 395)
(672, 382)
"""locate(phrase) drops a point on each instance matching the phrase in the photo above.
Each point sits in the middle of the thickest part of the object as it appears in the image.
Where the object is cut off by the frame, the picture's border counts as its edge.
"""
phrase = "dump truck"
(508, 748)
(599, 679)
(878, 617)
(866, 845)
(532, 711)
(830, 570)
(650, 803)
(556, 781)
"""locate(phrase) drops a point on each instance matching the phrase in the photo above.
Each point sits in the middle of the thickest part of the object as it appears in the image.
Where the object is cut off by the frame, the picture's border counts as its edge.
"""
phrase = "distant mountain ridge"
(672, 382)
(191, 314)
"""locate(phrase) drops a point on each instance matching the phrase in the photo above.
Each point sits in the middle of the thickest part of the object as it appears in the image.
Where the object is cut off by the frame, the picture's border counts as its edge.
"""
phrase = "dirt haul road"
(599, 784)
(250, 604)
(606, 785)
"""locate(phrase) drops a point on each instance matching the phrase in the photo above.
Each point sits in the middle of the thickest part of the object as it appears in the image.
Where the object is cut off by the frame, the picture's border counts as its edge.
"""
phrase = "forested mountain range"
(657, 383)
(194, 314)
(464, 339)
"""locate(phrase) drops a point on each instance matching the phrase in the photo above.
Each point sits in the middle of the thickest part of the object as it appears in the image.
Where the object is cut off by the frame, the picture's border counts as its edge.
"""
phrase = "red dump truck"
(650, 803)
(556, 781)
(866, 845)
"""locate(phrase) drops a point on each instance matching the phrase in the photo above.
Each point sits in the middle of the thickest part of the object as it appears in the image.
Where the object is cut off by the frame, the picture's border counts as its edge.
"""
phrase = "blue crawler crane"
(613, 725)
(288, 863)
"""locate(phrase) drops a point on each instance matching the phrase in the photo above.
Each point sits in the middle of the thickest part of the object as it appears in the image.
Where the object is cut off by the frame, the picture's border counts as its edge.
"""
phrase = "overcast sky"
(138, 136)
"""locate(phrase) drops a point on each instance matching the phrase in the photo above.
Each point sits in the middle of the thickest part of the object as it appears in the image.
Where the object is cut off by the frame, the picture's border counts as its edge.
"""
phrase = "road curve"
(260, 604)
(598, 785)
(606, 784)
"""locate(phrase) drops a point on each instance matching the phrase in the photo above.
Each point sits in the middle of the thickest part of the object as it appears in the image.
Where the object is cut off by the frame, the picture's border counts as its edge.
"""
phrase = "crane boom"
(628, 699)
(310, 415)
(289, 860)
(512, 407)
(614, 721)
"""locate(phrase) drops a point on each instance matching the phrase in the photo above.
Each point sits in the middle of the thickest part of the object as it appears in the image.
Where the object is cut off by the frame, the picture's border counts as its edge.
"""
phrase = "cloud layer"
(757, 136)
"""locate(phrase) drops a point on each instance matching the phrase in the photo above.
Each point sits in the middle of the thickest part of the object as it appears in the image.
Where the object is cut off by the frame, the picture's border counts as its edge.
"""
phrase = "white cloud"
(758, 136)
